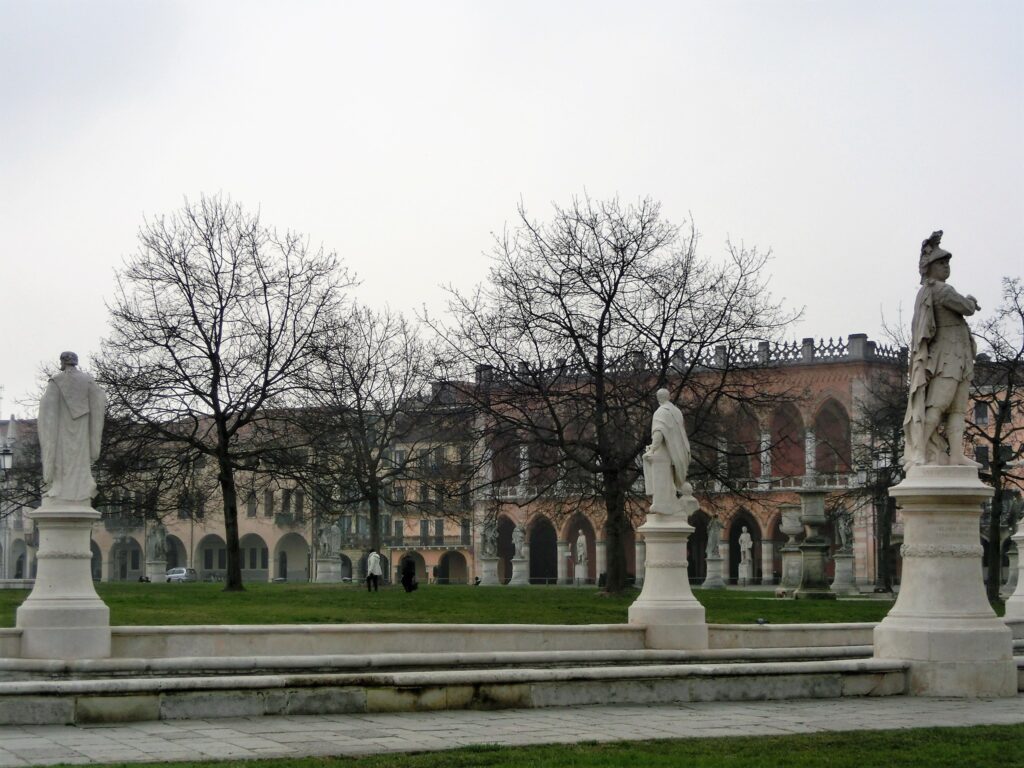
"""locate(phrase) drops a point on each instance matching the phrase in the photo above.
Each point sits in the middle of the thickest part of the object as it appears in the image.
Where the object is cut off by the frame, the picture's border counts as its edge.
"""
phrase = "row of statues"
(72, 412)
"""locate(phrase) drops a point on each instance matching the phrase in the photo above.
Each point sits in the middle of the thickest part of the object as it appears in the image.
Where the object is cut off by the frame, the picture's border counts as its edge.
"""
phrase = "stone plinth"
(156, 570)
(63, 617)
(1015, 602)
(714, 579)
(791, 567)
(520, 571)
(489, 571)
(744, 573)
(844, 582)
(942, 622)
(666, 605)
(814, 548)
(328, 570)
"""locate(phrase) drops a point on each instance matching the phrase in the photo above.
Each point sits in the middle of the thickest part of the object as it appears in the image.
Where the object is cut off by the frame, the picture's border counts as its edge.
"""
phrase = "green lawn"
(938, 747)
(148, 604)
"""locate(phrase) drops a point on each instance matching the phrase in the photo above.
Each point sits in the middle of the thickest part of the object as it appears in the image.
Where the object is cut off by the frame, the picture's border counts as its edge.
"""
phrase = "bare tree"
(581, 320)
(996, 425)
(365, 413)
(214, 324)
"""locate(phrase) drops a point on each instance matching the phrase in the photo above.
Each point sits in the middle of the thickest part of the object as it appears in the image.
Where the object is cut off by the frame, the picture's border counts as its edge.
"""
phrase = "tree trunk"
(233, 578)
(374, 502)
(995, 554)
(614, 532)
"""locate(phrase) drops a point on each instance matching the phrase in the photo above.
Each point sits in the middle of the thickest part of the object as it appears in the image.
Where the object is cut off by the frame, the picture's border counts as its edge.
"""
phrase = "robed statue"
(941, 364)
(70, 427)
(667, 458)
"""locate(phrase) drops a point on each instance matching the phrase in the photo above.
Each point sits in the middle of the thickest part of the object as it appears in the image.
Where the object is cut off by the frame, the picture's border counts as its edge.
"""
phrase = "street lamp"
(6, 460)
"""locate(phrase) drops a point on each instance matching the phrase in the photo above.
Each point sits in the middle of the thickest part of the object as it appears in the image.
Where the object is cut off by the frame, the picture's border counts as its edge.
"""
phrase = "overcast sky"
(401, 134)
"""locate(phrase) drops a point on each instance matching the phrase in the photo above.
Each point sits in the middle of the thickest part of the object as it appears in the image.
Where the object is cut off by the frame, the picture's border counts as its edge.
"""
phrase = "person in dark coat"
(409, 574)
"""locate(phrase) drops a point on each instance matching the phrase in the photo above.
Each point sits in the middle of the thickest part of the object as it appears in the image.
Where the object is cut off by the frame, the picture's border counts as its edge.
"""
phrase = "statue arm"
(963, 305)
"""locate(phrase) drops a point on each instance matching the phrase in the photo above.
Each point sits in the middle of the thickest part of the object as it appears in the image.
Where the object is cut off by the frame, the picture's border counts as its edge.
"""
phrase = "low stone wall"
(106, 701)
(333, 639)
(10, 643)
(789, 635)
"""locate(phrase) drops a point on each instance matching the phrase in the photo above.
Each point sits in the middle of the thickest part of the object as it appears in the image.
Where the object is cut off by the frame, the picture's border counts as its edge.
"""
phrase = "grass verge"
(155, 604)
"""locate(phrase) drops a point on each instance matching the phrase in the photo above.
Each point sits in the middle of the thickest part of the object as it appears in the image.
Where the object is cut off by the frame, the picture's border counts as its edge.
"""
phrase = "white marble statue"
(70, 427)
(844, 519)
(156, 543)
(746, 543)
(489, 538)
(518, 541)
(330, 540)
(581, 549)
(667, 458)
(714, 537)
(941, 364)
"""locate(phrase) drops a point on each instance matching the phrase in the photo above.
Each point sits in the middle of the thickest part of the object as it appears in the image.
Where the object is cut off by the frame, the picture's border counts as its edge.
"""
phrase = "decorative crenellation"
(855, 347)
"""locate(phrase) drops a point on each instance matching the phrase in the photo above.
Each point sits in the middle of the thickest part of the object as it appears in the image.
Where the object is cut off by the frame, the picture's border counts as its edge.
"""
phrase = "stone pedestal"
(814, 549)
(520, 571)
(791, 567)
(942, 622)
(640, 555)
(1013, 569)
(1015, 602)
(713, 579)
(562, 556)
(328, 570)
(489, 571)
(791, 526)
(666, 605)
(63, 617)
(744, 573)
(844, 582)
(156, 570)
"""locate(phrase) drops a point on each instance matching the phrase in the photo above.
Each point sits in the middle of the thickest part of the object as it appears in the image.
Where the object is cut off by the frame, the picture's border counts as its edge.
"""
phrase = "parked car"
(182, 574)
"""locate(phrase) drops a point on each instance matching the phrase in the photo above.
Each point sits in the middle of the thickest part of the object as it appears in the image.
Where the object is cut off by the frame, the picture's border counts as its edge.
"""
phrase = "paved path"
(365, 734)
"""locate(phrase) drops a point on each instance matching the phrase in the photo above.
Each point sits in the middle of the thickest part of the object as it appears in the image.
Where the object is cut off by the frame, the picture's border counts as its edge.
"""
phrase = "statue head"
(744, 529)
(931, 253)
(68, 359)
(662, 395)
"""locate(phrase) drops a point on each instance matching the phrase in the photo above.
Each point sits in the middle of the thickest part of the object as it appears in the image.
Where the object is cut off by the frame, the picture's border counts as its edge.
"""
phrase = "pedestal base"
(792, 568)
(520, 572)
(942, 622)
(328, 570)
(666, 605)
(744, 573)
(714, 579)
(63, 617)
(156, 570)
(489, 571)
(844, 582)
(813, 584)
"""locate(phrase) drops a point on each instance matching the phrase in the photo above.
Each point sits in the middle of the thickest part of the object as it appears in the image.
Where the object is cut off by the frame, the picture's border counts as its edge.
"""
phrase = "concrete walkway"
(371, 734)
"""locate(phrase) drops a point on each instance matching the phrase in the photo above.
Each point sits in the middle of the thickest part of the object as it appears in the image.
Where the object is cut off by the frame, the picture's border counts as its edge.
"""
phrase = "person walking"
(409, 574)
(373, 571)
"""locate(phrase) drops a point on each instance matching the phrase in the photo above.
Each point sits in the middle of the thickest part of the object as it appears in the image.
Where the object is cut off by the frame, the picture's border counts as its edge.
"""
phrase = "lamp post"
(6, 459)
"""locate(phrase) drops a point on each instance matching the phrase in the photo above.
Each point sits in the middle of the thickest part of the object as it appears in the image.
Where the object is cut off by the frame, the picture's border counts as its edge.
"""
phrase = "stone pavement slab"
(300, 736)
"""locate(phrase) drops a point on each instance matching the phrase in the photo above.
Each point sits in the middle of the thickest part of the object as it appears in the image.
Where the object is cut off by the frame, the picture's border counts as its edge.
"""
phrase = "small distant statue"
(70, 425)
(156, 543)
(330, 540)
(667, 458)
(941, 364)
(746, 543)
(1014, 514)
(518, 541)
(581, 549)
(489, 538)
(714, 538)
(844, 520)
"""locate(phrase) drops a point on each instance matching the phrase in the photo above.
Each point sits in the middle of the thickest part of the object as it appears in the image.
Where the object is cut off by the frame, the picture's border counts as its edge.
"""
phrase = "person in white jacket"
(373, 571)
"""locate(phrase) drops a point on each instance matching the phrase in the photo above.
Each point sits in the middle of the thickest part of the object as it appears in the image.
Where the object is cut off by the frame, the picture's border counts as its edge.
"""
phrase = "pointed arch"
(832, 444)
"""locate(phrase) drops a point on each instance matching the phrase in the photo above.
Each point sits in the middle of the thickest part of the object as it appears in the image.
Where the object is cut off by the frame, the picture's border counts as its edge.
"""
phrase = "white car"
(182, 574)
